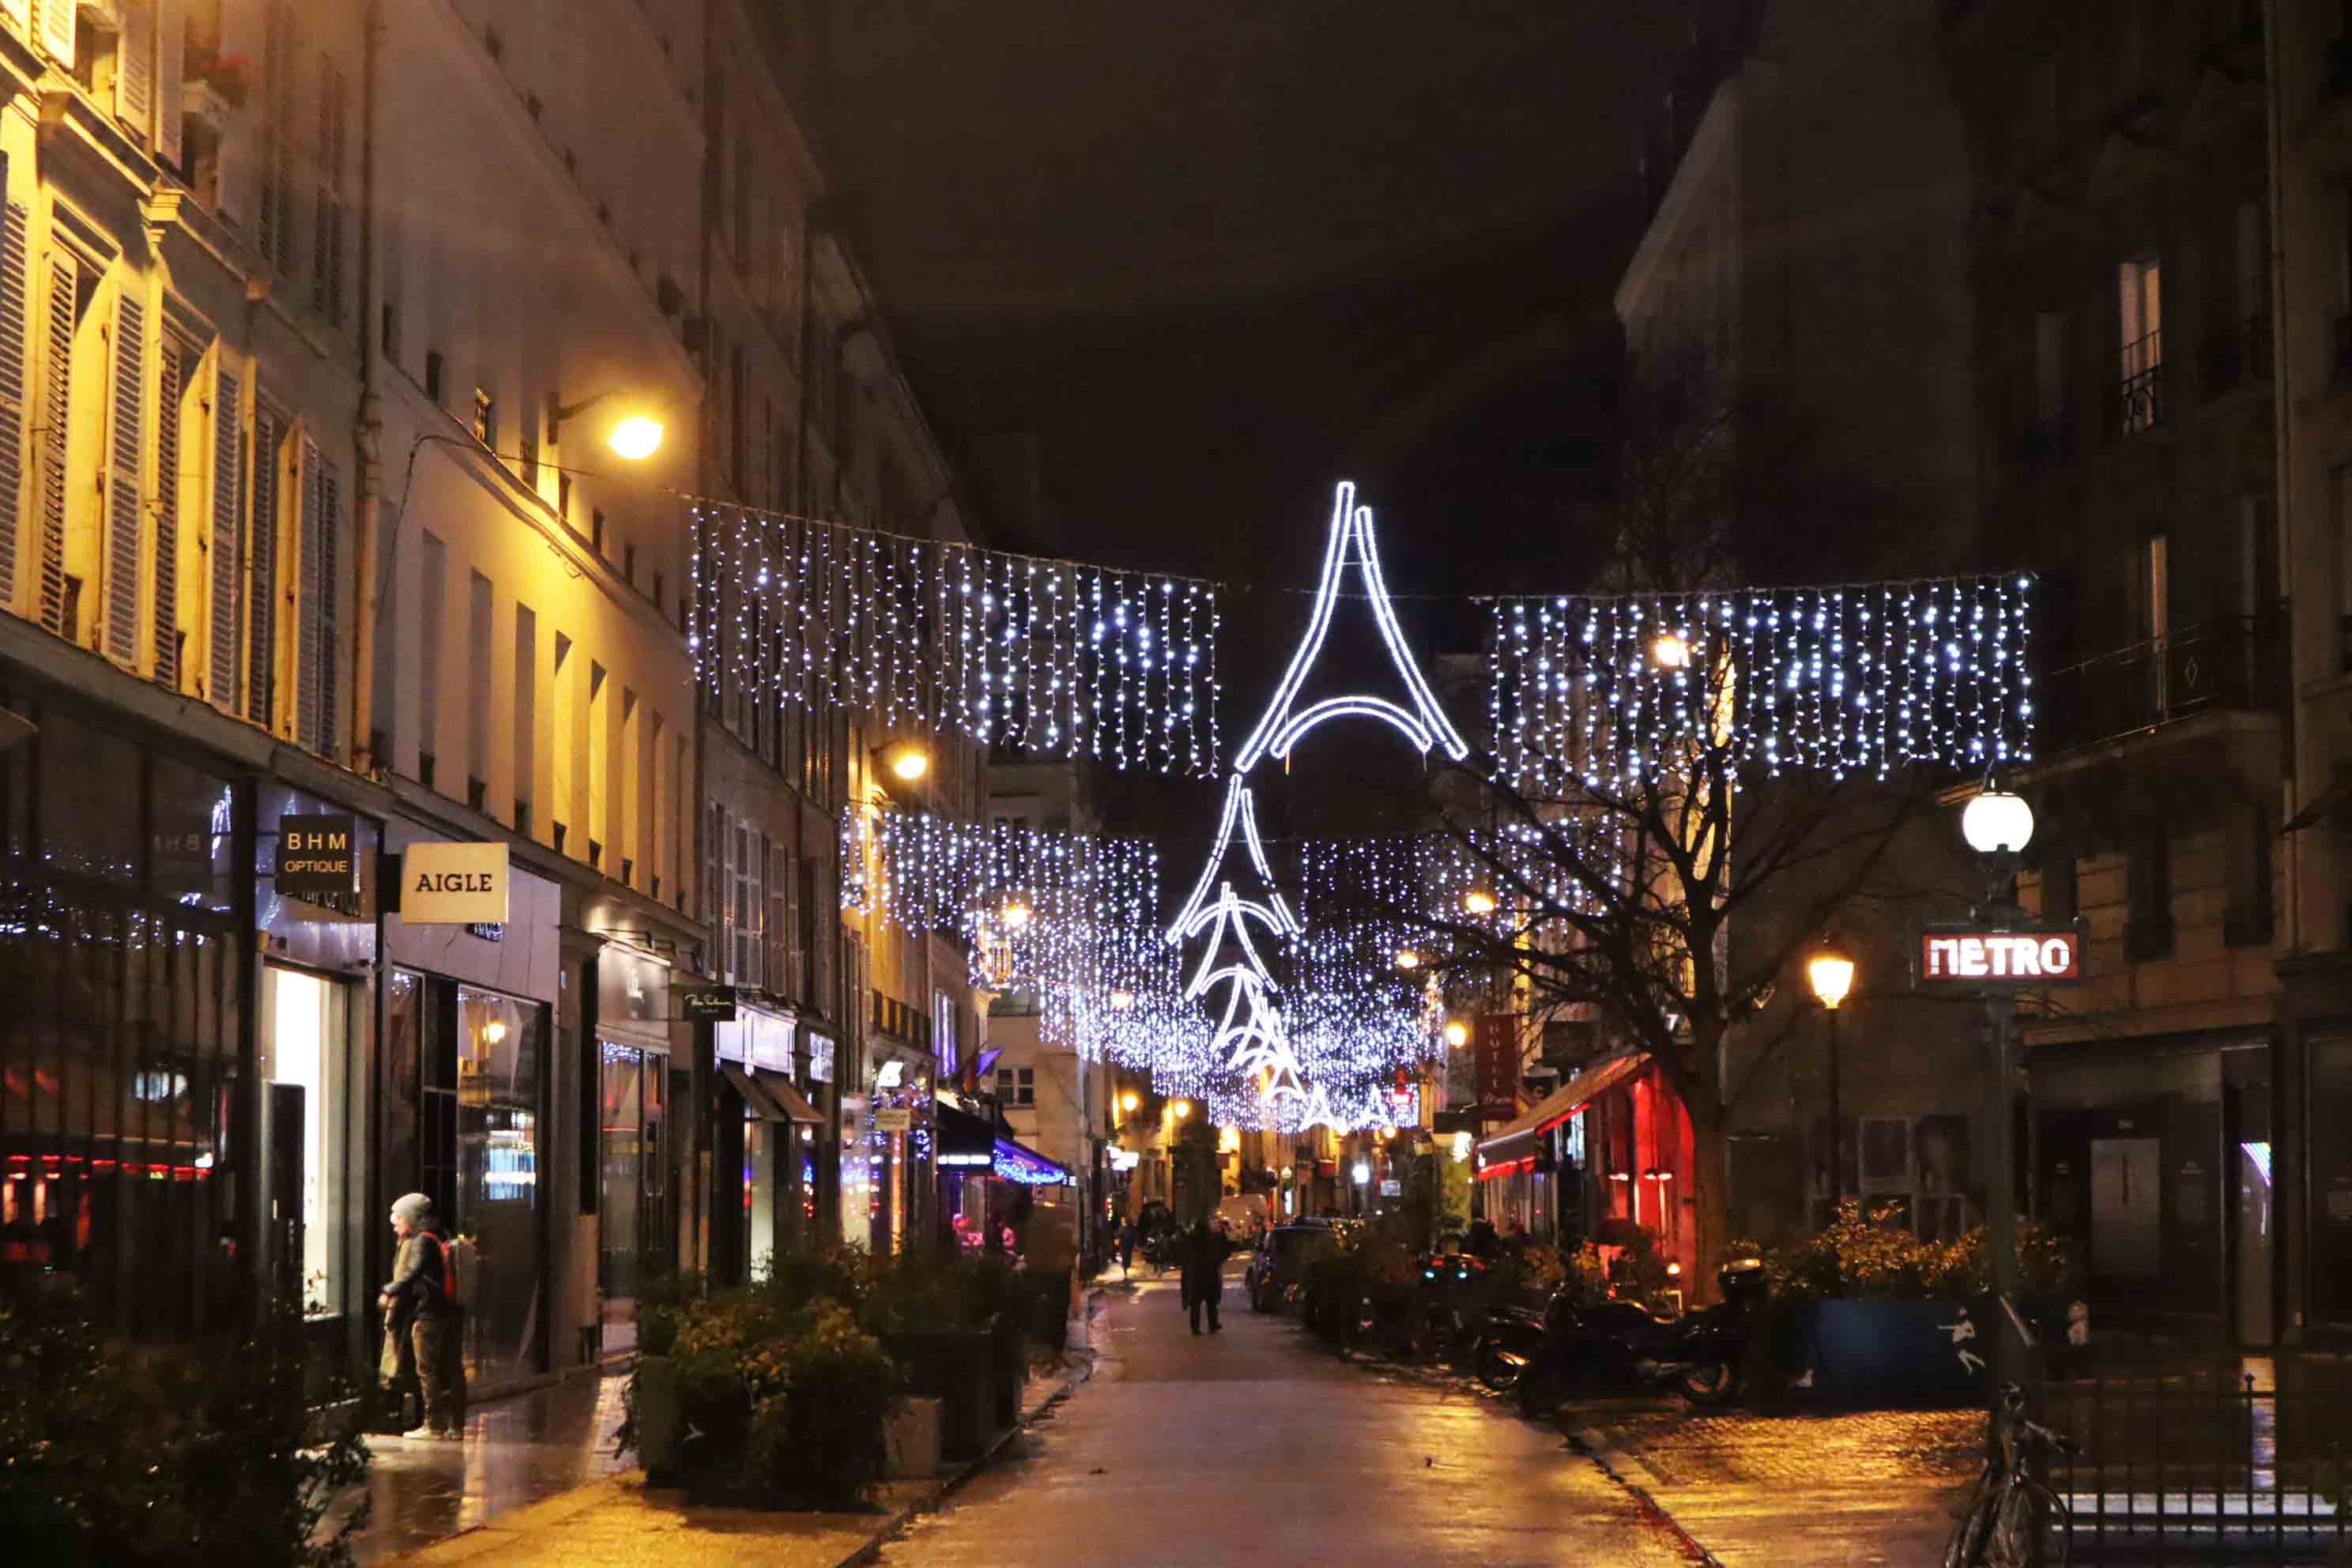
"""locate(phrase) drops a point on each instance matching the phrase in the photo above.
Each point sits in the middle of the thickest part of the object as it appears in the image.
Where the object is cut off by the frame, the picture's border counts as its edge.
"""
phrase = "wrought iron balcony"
(2231, 664)
(2141, 394)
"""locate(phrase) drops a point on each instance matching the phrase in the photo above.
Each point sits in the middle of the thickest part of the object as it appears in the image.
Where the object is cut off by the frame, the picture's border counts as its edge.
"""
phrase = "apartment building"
(1793, 313)
(318, 324)
(2120, 269)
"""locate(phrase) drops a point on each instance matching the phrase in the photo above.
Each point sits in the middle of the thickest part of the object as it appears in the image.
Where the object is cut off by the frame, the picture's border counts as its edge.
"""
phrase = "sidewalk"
(1844, 1490)
(620, 1520)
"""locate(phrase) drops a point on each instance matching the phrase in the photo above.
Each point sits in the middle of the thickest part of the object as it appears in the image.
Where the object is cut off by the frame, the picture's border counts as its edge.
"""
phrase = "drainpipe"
(367, 426)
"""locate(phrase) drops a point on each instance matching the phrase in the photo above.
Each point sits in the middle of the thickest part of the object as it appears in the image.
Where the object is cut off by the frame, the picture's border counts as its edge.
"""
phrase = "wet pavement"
(517, 1451)
(1259, 1445)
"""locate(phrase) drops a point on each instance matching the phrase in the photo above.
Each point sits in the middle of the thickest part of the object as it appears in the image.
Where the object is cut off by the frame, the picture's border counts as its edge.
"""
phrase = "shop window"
(497, 1052)
(309, 1141)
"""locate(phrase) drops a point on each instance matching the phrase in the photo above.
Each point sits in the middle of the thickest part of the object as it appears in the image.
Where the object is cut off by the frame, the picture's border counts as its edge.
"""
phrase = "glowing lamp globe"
(1408, 959)
(1670, 652)
(1184, 1110)
(1457, 1033)
(910, 763)
(1996, 822)
(1363, 1172)
(1016, 915)
(1478, 902)
(1129, 1101)
(636, 438)
(1831, 974)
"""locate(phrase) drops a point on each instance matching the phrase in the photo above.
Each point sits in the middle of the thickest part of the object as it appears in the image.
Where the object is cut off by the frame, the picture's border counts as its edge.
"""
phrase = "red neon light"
(1492, 1172)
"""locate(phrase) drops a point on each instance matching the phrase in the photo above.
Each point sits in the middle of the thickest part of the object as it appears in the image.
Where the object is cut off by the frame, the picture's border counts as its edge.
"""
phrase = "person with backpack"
(424, 1311)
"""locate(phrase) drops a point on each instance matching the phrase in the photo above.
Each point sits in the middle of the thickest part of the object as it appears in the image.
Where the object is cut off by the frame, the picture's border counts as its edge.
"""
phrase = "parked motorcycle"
(1620, 1344)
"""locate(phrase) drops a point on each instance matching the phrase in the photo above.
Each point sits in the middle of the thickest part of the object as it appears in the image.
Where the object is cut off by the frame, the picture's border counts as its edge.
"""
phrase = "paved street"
(1257, 1445)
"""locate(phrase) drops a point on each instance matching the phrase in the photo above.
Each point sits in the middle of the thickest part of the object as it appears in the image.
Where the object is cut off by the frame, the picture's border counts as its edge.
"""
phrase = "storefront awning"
(1019, 1163)
(965, 1142)
(1513, 1145)
(770, 1097)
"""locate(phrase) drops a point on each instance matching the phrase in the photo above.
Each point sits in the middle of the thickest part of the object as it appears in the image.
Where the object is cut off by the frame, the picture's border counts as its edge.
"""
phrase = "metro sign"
(1973, 956)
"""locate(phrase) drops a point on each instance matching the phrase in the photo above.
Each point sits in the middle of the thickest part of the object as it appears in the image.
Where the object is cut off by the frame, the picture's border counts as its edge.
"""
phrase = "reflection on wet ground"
(517, 1451)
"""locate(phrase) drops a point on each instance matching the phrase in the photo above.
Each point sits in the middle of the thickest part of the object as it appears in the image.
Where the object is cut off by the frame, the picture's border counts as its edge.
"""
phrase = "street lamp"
(1016, 916)
(1457, 1033)
(910, 762)
(1121, 1000)
(1183, 1109)
(1128, 1101)
(633, 437)
(1831, 974)
(1478, 902)
(1408, 959)
(1998, 825)
(1669, 651)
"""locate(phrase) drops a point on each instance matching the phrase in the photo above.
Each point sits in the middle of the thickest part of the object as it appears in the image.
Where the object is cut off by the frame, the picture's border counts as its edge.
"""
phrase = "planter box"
(914, 1440)
(953, 1366)
(661, 1414)
(1888, 1352)
(1008, 1369)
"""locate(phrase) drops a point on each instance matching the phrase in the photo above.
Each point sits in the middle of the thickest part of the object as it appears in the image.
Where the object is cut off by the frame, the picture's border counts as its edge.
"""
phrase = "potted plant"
(921, 1307)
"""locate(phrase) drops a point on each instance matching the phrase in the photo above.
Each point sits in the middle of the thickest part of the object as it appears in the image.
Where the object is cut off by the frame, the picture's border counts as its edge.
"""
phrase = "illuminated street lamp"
(1669, 651)
(1996, 822)
(1129, 1101)
(1831, 974)
(1016, 915)
(1457, 1033)
(910, 762)
(1408, 959)
(636, 438)
(1478, 902)
(1121, 1000)
(1183, 1109)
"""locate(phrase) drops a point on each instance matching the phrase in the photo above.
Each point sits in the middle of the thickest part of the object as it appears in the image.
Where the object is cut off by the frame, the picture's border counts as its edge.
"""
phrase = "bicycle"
(2011, 1517)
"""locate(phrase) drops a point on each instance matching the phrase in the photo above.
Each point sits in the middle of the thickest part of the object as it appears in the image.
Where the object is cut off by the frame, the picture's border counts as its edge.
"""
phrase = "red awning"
(1513, 1145)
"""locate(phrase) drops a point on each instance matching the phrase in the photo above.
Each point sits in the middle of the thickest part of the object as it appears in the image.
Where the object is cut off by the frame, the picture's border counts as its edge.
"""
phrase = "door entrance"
(2127, 1220)
(635, 1204)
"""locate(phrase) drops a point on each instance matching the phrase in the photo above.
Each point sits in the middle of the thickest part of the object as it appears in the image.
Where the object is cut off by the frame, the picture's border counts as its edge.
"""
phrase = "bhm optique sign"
(1970, 956)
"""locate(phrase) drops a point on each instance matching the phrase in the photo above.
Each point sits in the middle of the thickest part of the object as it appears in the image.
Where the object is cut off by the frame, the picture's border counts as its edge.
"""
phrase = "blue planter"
(1889, 1352)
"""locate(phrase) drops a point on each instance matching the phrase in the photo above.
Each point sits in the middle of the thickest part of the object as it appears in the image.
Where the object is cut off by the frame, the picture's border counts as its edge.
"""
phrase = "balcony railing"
(2141, 394)
(2231, 664)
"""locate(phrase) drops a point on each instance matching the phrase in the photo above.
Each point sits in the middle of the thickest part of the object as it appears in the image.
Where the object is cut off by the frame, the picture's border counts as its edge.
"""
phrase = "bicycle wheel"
(2027, 1513)
(1966, 1548)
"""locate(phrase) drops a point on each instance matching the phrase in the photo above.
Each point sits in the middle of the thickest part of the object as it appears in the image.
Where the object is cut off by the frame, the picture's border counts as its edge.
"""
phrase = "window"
(564, 497)
(2343, 521)
(2147, 924)
(228, 530)
(1017, 1086)
(318, 624)
(486, 419)
(433, 376)
(661, 594)
(478, 609)
(629, 564)
(597, 529)
(261, 549)
(274, 217)
(943, 1033)
(334, 131)
(526, 711)
(2140, 322)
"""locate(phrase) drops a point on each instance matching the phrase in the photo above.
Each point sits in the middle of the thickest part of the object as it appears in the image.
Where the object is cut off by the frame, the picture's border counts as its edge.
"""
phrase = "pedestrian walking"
(1126, 1249)
(424, 1318)
(1205, 1252)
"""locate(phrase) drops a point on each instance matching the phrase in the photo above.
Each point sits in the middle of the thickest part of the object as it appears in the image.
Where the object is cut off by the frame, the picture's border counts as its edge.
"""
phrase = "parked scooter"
(1620, 1344)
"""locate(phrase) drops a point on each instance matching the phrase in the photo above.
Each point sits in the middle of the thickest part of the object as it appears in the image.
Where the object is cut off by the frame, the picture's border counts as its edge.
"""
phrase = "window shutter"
(274, 222)
(134, 75)
(14, 281)
(123, 508)
(172, 359)
(310, 597)
(327, 239)
(58, 30)
(726, 894)
(713, 833)
(780, 882)
(262, 574)
(322, 600)
(18, 15)
(57, 408)
(171, 74)
(228, 493)
(755, 912)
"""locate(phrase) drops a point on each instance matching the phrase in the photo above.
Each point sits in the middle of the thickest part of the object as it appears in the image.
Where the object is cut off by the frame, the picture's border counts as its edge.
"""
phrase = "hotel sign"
(1975, 958)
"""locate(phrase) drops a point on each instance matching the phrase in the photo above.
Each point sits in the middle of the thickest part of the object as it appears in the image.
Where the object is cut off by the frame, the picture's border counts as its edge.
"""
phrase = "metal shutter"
(228, 534)
(262, 574)
(173, 358)
(14, 281)
(123, 503)
(57, 410)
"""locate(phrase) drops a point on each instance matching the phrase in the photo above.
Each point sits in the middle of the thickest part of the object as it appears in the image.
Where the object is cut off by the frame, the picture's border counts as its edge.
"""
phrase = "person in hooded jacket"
(1203, 1280)
(421, 1310)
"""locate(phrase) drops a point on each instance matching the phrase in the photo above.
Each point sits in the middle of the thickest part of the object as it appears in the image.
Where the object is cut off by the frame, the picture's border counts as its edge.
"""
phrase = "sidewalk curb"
(1615, 1463)
(949, 1485)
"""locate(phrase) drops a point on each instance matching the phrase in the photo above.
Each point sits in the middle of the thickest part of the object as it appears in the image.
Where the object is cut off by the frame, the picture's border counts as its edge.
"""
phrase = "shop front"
(888, 1136)
(766, 1134)
(636, 1092)
(467, 1086)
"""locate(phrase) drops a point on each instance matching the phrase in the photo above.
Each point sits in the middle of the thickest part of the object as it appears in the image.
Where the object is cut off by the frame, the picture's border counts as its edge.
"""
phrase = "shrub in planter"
(164, 1457)
(818, 1432)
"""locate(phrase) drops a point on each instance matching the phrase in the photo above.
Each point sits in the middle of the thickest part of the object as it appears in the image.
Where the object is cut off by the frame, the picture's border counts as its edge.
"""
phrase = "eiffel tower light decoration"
(1252, 1039)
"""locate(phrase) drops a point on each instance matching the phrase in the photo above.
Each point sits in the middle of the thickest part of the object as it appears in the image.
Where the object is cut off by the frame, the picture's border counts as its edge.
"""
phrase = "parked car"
(1276, 1275)
(1247, 1215)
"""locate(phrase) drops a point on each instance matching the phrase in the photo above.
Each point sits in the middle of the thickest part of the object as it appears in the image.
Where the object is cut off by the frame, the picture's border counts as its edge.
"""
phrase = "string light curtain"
(1859, 679)
(1057, 658)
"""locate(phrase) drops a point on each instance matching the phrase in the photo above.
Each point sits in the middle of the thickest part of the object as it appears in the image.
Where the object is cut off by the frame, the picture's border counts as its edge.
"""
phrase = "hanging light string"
(1057, 658)
(1849, 679)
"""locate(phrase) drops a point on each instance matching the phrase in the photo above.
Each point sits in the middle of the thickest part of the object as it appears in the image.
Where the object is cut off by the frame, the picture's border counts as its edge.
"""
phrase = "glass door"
(635, 1206)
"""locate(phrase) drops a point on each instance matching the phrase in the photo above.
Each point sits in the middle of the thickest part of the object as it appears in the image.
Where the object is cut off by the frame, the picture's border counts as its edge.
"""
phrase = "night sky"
(1216, 256)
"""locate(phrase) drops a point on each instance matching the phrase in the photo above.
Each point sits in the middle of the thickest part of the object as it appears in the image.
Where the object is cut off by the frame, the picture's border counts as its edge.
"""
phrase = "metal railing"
(2141, 394)
(2237, 1460)
(2230, 663)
